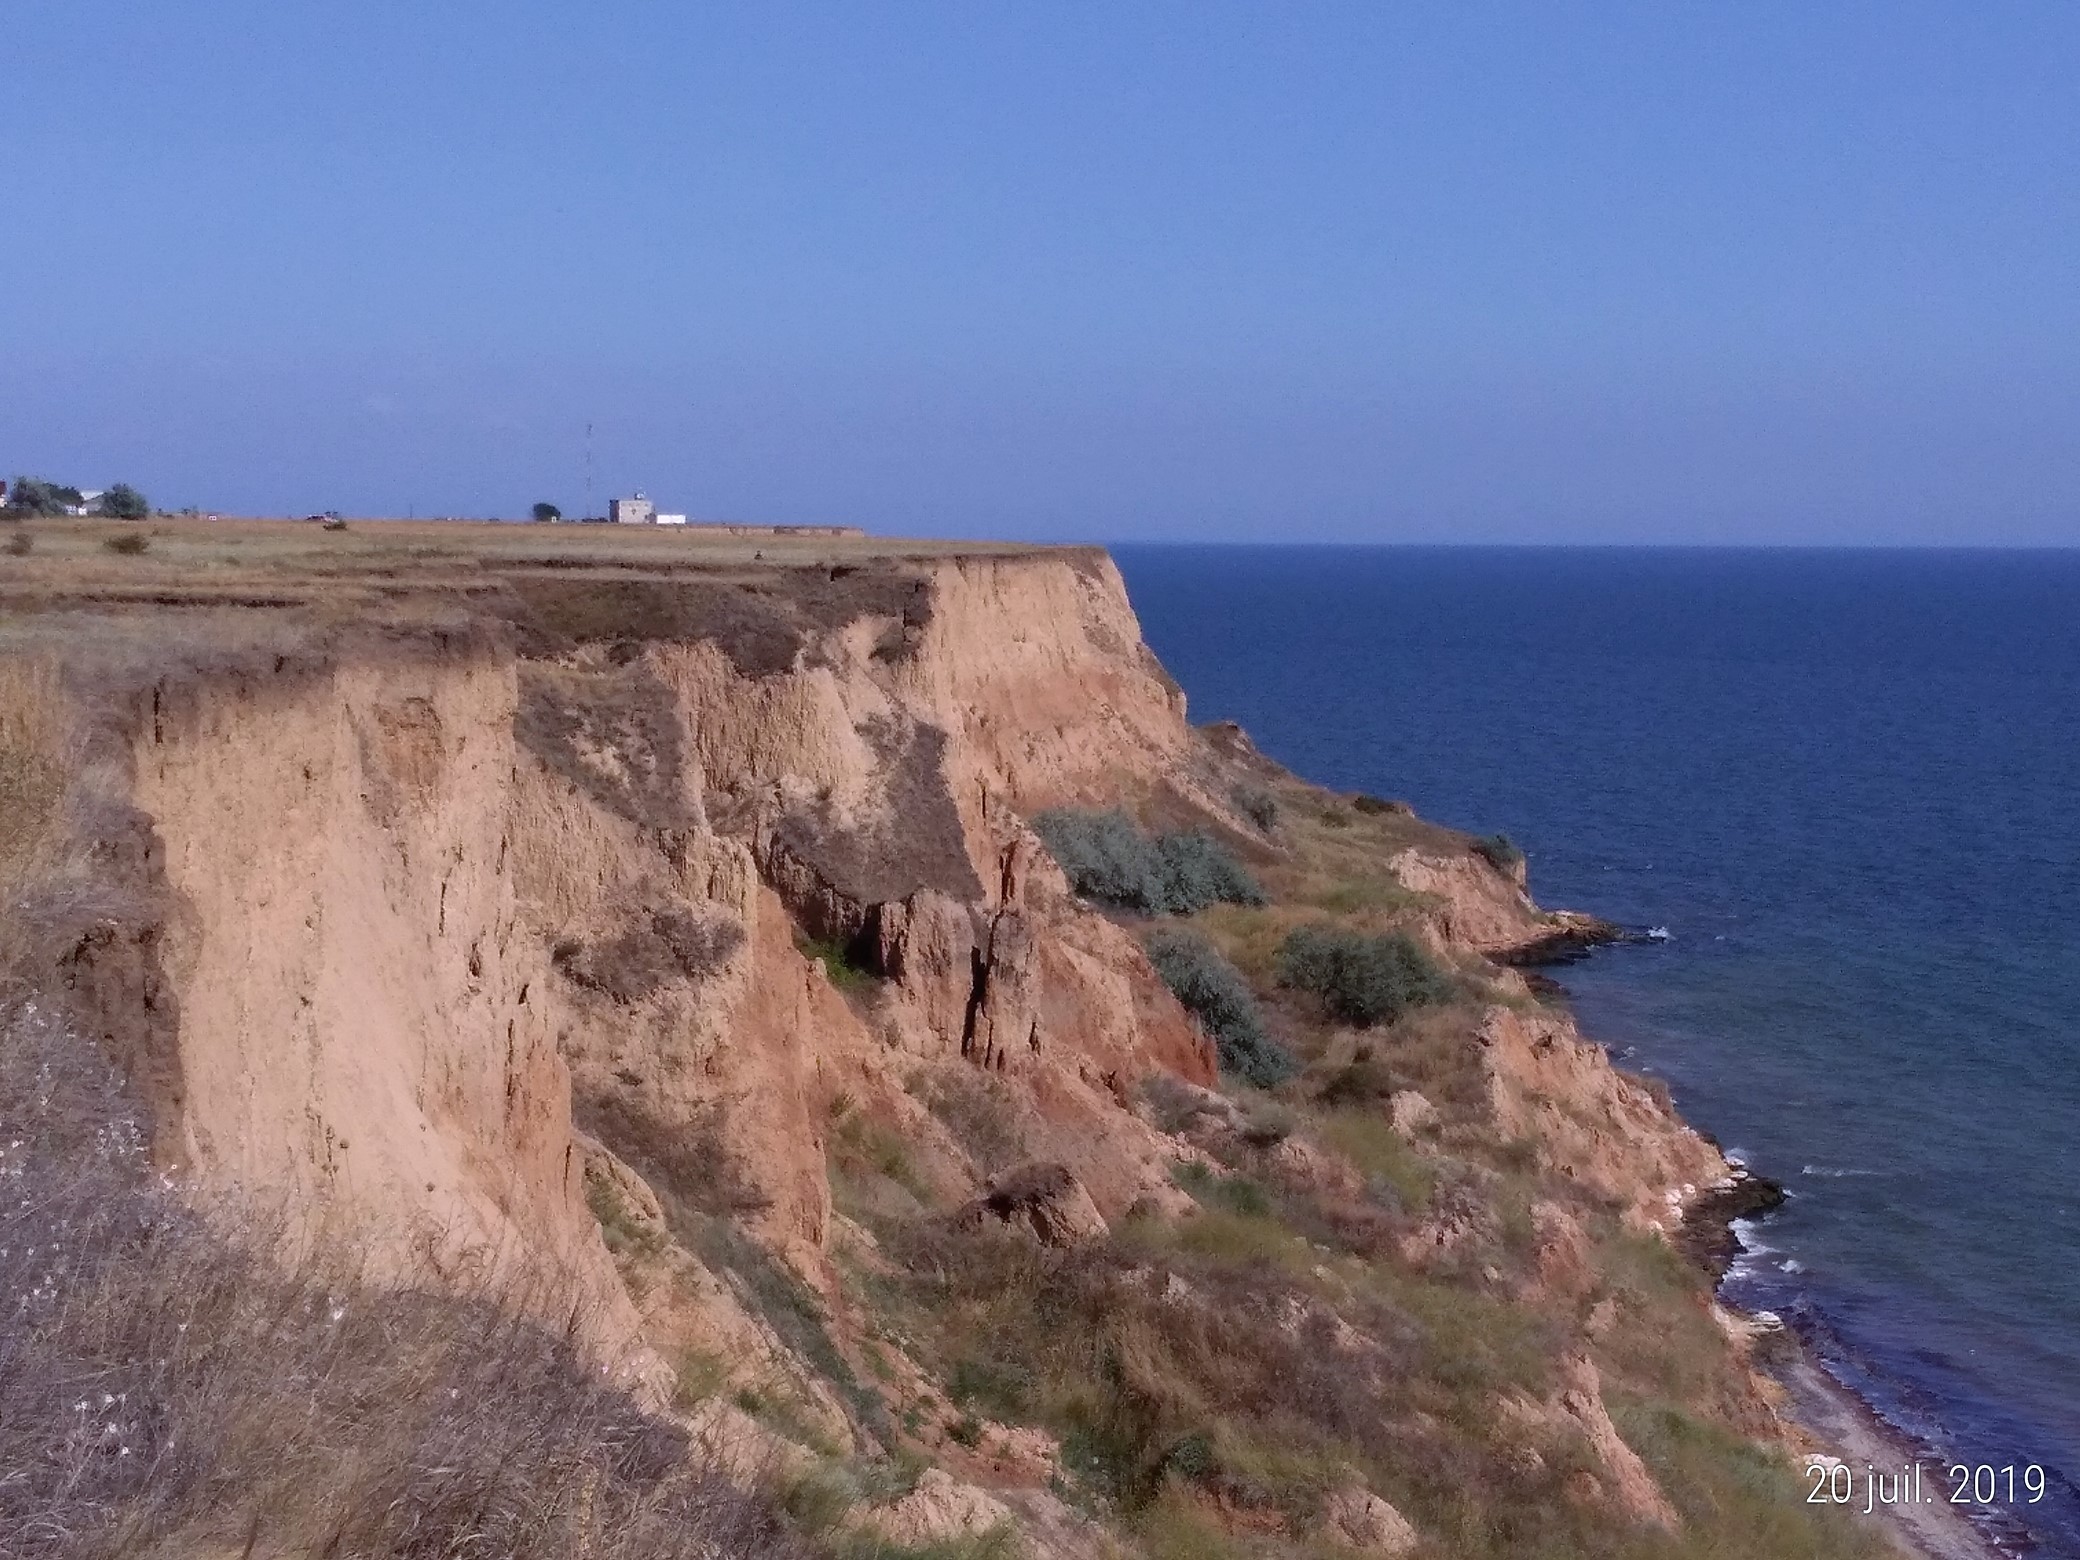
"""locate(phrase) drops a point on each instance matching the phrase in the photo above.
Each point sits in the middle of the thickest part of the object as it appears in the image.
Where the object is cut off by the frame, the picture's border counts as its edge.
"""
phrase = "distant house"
(632, 511)
(88, 498)
(671, 519)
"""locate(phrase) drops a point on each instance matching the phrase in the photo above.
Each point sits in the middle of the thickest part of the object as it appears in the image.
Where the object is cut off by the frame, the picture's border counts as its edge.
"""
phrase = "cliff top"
(104, 559)
(186, 592)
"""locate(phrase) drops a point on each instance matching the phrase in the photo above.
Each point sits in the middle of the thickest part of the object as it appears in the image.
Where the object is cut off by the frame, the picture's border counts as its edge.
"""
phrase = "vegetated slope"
(669, 959)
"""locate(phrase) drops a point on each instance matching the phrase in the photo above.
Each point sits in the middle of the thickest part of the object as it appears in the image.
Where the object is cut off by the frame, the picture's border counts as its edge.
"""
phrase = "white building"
(664, 519)
(632, 511)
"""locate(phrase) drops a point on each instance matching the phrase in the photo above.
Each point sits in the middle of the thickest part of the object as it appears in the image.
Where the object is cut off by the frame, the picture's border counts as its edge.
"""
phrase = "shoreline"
(1829, 1412)
(1856, 1433)
(1840, 1422)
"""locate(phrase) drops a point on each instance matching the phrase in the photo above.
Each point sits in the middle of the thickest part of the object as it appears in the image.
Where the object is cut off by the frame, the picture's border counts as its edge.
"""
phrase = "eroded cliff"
(667, 949)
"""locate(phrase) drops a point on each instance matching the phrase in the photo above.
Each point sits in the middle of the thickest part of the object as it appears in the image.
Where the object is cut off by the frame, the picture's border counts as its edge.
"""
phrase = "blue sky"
(1770, 272)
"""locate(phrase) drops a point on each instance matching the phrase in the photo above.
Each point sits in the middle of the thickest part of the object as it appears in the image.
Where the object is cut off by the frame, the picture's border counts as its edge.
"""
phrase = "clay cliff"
(675, 954)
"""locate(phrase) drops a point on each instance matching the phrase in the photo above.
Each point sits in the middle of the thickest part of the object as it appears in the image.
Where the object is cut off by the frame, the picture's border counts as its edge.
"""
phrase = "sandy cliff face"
(657, 906)
(1479, 908)
(432, 910)
(428, 910)
(366, 1044)
(859, 804)
(1048, 693)
(1590, 1123)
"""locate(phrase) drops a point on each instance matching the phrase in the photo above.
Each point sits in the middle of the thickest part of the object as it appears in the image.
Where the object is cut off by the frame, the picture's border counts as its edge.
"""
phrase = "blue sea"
(1849, 784)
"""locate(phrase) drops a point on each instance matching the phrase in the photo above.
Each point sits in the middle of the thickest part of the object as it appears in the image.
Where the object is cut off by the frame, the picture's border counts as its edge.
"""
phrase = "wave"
(1934, 1415)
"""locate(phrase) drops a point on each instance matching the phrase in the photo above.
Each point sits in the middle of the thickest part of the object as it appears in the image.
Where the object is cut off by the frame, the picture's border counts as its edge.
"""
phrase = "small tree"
(124, 502)
(32, 496)
(546, 512)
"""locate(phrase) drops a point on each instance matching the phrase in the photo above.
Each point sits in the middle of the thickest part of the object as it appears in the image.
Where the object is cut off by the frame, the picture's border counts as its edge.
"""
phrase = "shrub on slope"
(1214, 992)
(1361, 979)
(1111, 862)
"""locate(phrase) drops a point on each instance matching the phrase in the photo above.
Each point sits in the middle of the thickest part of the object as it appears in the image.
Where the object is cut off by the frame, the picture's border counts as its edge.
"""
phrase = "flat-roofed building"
(632, 511)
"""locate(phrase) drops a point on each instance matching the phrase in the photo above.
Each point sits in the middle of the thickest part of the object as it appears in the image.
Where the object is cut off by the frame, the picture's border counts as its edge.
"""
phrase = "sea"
(1847, 783)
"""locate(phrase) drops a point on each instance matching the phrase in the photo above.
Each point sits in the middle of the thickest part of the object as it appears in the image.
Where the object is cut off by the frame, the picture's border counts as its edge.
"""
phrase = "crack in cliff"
(978, 995)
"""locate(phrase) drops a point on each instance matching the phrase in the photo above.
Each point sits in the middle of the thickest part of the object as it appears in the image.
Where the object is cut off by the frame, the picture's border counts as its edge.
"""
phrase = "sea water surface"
(1849, 785)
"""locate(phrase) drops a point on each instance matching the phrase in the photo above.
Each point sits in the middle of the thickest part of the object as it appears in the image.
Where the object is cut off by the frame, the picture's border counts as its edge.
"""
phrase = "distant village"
(640, 509)
(29, 496)
(24, 497)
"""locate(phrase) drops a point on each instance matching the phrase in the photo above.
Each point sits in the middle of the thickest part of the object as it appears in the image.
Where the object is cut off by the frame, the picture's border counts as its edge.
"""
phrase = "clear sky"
(1666, 271)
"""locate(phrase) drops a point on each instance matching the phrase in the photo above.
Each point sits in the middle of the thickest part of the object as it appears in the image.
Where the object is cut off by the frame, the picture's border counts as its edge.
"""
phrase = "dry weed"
(163, 1388)
(36, 743)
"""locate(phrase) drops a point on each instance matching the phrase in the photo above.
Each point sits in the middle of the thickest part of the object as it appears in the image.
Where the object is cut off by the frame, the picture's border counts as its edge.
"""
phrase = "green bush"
(30, 496)
(1500, 851)
(1361, 979)
(123, 502)
(1197, 872)
(1372, 805)
(1237, 1194)
(1214, 992)
(1108, 860)
(843, 965)
(131, 542)
(1102, 854)
(1258, 805)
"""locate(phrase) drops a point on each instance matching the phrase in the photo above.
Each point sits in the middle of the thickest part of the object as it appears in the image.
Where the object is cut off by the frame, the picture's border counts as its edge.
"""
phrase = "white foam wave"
(1751, 1244)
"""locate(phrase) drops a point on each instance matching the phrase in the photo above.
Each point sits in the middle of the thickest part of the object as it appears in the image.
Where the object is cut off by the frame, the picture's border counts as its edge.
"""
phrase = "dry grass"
(373, 543)
(37, 754)
(981, 1113)
(163, 1389)
(1151, 1360)
(762, 623)
(658, 946)
(208, 592)
(1432, 1052)
(1380, 1154)
(616, 735)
